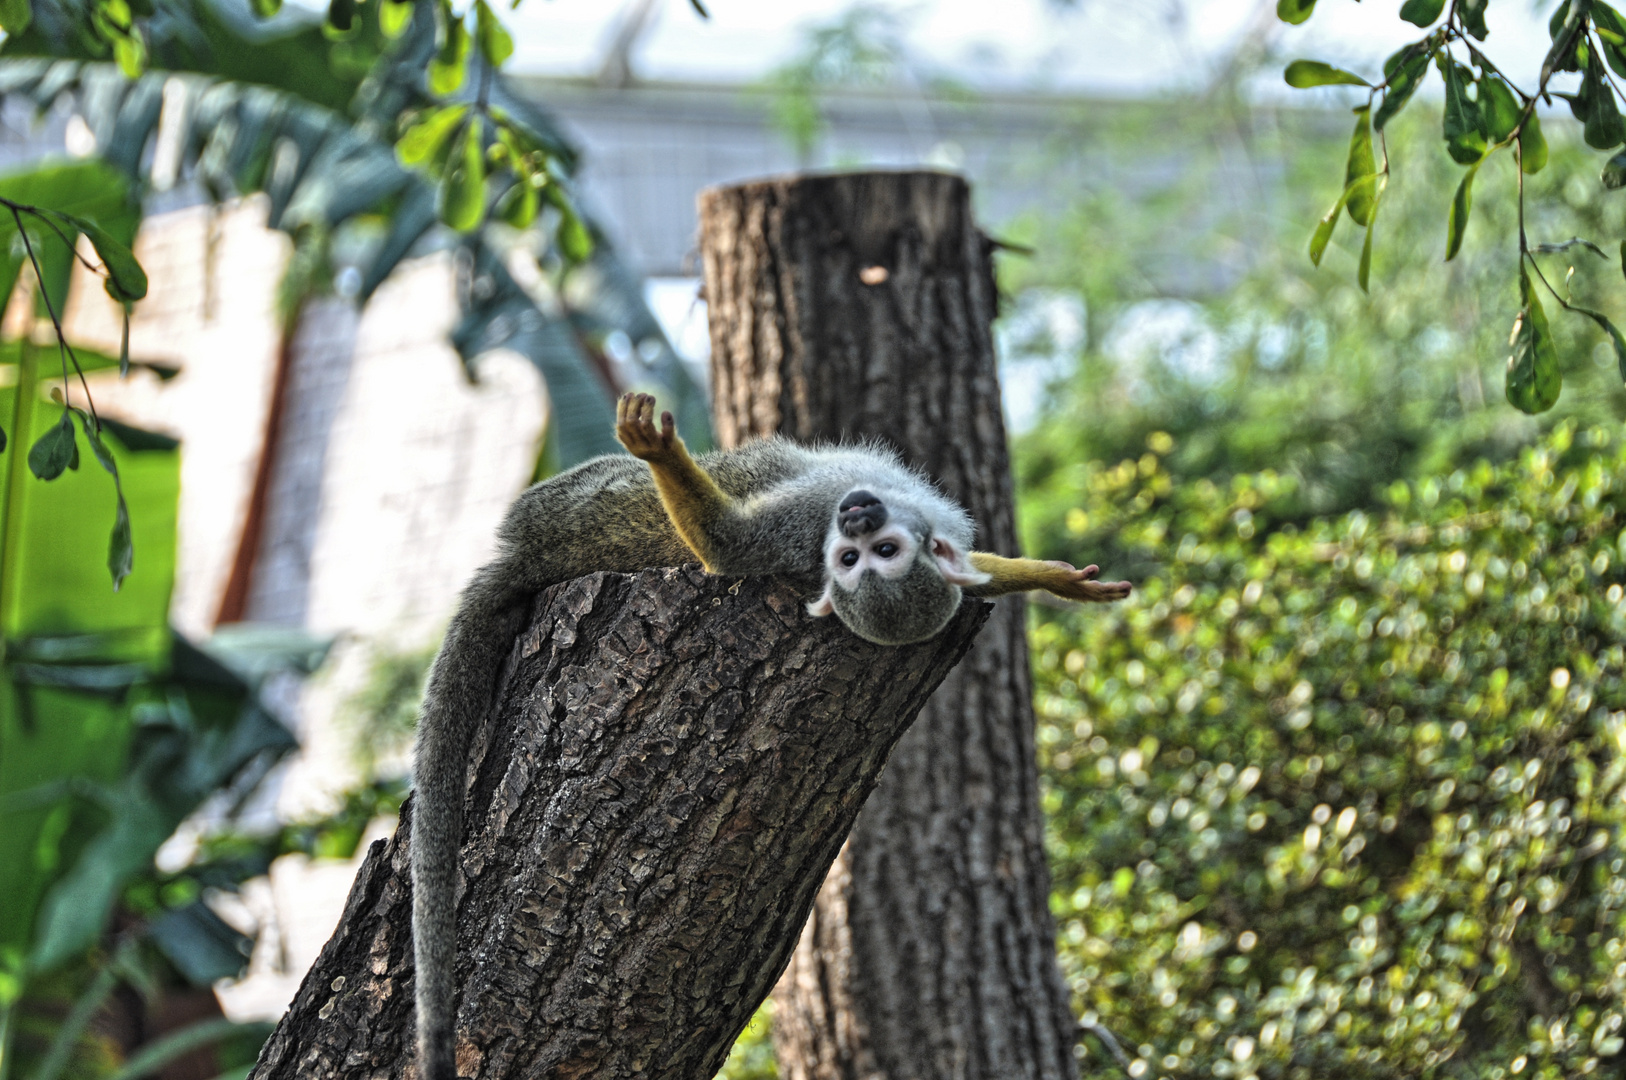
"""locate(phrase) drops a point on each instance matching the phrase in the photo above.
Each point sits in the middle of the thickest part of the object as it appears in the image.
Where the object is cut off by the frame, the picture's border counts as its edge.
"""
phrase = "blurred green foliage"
(1282, 366)
(1346, 799)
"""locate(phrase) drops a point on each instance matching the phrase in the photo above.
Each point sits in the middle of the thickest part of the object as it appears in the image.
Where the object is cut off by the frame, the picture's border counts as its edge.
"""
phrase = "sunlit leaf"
(1304, 74)
(450, 66)
(463, 190)
(575, 241)
(496, 44)
(266, 8)
(518, 205)
(15, 15)
(1364, 272)
(393, 17)
(423, 140)
(1533, 380)
(1461, 203)
(1361, 163)
(1323, 231)
(1294, 11)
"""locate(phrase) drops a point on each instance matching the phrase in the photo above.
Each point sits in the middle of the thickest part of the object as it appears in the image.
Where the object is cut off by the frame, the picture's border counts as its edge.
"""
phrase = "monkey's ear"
(955, 565)
(822, 606)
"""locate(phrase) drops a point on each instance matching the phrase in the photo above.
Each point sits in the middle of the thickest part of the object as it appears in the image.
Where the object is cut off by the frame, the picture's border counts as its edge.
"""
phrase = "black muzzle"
(860, 513)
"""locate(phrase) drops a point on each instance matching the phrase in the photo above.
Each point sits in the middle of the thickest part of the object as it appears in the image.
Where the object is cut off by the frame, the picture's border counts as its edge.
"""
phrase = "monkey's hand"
(636, 430)
(1081, 585)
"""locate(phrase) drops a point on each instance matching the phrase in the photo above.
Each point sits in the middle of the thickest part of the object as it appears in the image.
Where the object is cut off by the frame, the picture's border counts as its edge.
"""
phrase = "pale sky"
(1108, 46)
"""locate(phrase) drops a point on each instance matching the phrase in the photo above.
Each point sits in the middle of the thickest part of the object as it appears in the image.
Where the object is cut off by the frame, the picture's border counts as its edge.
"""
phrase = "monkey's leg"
(692, 498)
(1021, 575)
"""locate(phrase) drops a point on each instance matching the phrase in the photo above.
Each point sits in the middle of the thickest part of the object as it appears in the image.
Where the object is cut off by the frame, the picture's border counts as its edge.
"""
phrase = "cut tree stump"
(855, 306)
(672, 764)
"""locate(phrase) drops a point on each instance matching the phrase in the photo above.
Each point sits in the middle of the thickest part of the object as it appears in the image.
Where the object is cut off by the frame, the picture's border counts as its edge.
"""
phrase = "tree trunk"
(859, 306)
(671, 766)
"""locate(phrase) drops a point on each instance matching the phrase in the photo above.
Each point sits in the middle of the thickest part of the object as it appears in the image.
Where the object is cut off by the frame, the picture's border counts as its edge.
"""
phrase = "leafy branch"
(1484, 112)
(57, 451)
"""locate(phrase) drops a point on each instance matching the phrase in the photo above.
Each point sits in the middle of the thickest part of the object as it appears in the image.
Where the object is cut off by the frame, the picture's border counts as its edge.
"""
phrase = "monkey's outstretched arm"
(1021, 575)
(692, 498)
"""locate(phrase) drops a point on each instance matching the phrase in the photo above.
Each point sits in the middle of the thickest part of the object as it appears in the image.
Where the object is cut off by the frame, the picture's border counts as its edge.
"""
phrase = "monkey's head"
(893, 573)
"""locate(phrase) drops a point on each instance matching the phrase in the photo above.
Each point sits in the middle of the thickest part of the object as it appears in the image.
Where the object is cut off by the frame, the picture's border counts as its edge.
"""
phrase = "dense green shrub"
(1346, 800)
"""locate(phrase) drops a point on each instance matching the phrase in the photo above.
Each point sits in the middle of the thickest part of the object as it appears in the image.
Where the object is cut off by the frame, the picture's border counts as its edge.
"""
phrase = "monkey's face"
(887, 576)
(867, 538)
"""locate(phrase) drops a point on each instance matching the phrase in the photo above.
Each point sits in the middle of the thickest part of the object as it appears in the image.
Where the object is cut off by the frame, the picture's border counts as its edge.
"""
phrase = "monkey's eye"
(849, 558)
(886, 550)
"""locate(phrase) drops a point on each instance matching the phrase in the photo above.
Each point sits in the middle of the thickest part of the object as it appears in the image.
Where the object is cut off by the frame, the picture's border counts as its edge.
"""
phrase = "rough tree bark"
(670, 768)
(859, 306)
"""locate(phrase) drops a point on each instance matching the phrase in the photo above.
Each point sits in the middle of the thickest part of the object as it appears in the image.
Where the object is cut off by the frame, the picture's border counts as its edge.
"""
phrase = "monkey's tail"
(462, 683)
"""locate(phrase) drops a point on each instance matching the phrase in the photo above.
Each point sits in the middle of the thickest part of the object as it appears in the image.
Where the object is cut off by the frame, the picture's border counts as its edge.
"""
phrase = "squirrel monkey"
(884, 551)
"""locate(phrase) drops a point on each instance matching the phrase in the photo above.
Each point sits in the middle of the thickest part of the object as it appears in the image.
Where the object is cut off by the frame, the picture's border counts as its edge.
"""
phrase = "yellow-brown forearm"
(1014, 575)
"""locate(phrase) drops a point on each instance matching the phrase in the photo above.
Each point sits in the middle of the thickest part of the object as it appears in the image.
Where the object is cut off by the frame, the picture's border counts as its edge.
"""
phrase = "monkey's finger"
(1089, 571)
(668, 427)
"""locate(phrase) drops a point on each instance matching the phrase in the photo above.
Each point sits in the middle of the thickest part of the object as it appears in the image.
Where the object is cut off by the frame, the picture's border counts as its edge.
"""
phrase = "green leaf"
(1304, 74)
(1610, 27)
(496, 44)
(1603, 127)
(1422, 12)
(423, 140)
(1532, 145)
(1404, 70)
(393, 17)
(1361, 163)
(1533, 380)
(1472, 13)
(1364, 272)
(1572, 242)
(1294, 11)
(1463, 138)
(55, 452)
(1323, 231)
(1461, 203)
(341, 14)
(518, 205)
(120, 552)
(450, 66)
(575, 242)
(463, 190)
(1499, 110)
(15, 15)
(266, 8)
(126, 281)
(1555, 24)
